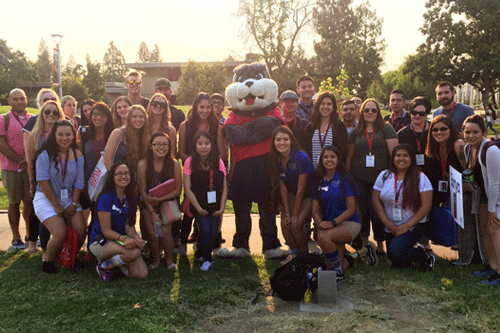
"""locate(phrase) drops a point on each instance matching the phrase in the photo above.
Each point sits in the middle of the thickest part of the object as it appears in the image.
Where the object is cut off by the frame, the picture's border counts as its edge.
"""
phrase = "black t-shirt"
(399, 122)
(176, 117)
(407, 136)
(298, 128)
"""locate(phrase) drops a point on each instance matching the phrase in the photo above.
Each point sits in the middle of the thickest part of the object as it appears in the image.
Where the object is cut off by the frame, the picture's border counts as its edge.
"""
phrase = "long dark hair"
(193, 116)
(316, 116)
(411, 182)
(167, 171)
(108, 127)
(110, 185)
(274, 155)
(213, 157)
(50, 145)
(432, 149)
(345, 175)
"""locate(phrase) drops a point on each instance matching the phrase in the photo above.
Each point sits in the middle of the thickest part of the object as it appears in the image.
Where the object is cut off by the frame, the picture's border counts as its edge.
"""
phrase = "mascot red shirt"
(248, 129)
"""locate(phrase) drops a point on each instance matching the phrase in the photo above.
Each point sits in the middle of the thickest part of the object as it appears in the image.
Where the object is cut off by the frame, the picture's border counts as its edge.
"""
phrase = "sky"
(201, 30)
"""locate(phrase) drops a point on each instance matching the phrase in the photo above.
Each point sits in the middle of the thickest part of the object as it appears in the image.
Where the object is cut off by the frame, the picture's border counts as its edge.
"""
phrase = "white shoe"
(206, 265)
(237, 252)
(276, 253)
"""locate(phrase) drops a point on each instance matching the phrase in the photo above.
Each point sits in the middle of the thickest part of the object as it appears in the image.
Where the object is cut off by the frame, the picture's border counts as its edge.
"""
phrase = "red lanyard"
(399, 124)
(444, 162)
(294, 123)
(322, 142)
(452, 109)
(415, 135)
(211, 177)
(63, 169)
(396, 190)
(370, 140)
(96, 151)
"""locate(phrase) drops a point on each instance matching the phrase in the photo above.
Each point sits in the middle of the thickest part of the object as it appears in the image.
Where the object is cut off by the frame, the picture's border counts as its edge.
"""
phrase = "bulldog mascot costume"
(248, 129)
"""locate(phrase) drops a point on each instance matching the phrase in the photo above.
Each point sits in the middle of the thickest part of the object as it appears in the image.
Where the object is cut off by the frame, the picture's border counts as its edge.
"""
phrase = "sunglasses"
(132, 82)
(64, 122)
(370, 110)
(441, 129)
(419, 113)
(48, 112)
(155, 104)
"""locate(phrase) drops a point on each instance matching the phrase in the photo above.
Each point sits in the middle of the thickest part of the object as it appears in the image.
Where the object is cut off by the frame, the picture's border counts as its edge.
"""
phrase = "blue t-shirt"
(460, 112)
(298, 164)
(332, 199)
(110, 203)
(46, 170)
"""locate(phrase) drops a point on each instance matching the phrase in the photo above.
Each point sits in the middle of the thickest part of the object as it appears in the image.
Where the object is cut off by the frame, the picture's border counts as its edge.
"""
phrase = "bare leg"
(14, 217)
(148, 230)
(57, 228)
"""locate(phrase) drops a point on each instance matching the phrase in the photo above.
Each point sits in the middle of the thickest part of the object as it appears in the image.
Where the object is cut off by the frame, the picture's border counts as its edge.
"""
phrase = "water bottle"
(158, 231)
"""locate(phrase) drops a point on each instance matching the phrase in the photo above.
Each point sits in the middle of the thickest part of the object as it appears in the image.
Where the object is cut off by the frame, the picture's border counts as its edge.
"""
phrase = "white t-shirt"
(388, 196)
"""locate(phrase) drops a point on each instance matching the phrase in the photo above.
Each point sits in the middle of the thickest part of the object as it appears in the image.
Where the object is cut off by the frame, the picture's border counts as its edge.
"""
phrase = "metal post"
(57, 40)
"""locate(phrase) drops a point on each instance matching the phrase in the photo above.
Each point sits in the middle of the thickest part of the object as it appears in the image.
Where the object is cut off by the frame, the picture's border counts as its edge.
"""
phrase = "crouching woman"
(114, 240)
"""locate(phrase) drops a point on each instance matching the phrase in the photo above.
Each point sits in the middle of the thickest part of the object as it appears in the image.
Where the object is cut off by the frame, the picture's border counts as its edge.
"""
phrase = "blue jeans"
(209, 225)
(401, 250)
(489, 125)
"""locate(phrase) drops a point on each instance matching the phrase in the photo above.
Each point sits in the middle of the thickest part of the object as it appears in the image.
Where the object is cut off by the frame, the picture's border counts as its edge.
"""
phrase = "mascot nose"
(248, 84)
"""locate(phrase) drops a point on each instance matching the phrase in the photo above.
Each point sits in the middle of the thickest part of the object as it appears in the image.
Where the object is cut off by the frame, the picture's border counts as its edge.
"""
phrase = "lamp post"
(57, 40)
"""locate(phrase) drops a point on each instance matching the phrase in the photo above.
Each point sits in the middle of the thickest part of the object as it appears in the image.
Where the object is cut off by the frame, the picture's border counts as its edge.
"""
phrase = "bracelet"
(119, 237)
(334, 223)
(74, 204)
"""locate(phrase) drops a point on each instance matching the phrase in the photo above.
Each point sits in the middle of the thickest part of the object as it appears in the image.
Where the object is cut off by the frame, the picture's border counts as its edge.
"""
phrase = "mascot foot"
(276, 253)
(237, 252)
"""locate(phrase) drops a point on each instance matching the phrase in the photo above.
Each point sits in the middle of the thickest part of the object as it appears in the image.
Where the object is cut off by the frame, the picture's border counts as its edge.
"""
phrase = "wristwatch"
(334, 223)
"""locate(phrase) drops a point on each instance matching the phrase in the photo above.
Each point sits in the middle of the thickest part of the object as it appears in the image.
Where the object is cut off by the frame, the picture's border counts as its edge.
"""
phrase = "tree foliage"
(72, 85)
(93, 80)
(146, 56)
(196, 77)
(341, 92)
(462, 44)
(350, 40)
(43, 62)
(113, 65)
(73, 69)
(275, 26)
(15, 69)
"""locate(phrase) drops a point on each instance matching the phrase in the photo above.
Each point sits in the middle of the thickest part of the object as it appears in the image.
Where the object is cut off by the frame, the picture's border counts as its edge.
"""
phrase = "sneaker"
(200, 259)
(493, 280)
(182, 250)
(371, 256)
(486, 271)
(105, 274)
(18, 244)
(431, 260)
(206, 265)
(340, 276)
(49, 267)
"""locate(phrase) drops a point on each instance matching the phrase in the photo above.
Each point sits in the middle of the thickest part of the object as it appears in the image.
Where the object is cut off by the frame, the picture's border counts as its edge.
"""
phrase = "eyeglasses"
(374, 110)
(48, 112)
(122, 174)
(102, 115)
(132, 82)
(163, 105)
(49, 99)
(419, 113)
(440, 129)
(160, 145)
(217, 102)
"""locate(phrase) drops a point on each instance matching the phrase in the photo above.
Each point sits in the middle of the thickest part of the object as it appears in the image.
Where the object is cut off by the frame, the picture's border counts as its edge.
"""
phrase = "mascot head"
(252, 91)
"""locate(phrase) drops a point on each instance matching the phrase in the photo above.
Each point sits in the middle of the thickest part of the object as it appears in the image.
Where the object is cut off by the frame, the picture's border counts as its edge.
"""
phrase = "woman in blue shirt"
(334, 208)
(113, 238)
(293, 173)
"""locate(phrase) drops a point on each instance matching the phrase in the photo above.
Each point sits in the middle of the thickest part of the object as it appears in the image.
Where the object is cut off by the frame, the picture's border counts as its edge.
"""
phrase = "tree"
(155, 55)
(275, 26)
(73, 69)
(73, 86)
(462, 44)
(113, 65)
(15, 69)
(93, 81)
(196, 77)
(350, 40)
(146, 56)
(43, 62)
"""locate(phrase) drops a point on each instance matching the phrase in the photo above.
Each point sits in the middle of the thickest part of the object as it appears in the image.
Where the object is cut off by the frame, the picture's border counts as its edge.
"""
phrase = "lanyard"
(396, 190)
(452, 109)
(444, 162)
(96, 151)
(18, 120)
(419, 141)
(399, 124)
(294, 123)
(370, 140)
(322, 142)
(211, 178)
(63, 168)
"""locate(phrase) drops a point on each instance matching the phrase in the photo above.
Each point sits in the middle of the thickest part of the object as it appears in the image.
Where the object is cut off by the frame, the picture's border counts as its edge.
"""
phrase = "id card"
(420, 159)
(64, 194)
(370, 161)
(211, 197)
(397, 214)
(443, 186)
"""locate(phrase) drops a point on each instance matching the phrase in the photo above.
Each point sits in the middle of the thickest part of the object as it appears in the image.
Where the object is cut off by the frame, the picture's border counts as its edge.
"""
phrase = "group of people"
(347, 174)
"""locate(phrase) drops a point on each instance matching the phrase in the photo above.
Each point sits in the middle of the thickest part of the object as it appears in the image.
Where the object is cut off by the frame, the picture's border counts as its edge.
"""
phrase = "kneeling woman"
(114, 240)
(334, 208)
(402, 198)
(292, 169)
(59, 173)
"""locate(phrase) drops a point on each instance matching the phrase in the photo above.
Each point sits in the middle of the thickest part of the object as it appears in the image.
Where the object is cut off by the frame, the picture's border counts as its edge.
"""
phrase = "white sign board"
(456, 199)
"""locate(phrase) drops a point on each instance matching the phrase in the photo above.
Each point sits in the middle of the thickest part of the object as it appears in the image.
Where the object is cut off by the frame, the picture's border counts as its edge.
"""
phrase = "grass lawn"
(234, 295)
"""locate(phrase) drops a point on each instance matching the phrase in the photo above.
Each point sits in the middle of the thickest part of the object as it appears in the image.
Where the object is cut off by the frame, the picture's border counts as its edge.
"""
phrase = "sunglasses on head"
(419, 113)
(132, 82)
(441, 129)
(163, 105)
(374, 110)
(48, 112)
(49, 99)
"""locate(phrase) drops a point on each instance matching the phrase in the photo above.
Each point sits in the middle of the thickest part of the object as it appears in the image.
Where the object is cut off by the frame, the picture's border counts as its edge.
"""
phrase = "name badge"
(443, 186)
(211, 197)
(370, 161)
(397, 214)
(324, 188)
(420, 159)
(64, 194)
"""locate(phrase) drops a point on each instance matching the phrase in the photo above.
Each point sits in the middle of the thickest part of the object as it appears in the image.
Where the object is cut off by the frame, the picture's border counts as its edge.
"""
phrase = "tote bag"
(67, 254)
(97, 179)
(170, 212)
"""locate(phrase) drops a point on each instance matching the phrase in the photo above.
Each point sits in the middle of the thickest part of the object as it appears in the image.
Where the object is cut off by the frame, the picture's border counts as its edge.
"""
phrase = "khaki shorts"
(97, 250)
(17, 185)
(353, 227)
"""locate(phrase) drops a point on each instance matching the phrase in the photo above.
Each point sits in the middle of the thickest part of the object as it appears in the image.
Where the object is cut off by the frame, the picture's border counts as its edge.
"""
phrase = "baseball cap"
(162, 83)
(288, 94)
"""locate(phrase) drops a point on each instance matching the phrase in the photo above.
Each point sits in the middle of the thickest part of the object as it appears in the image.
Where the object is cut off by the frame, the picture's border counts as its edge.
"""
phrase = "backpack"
(493, 114)
(6, 119)
(290, 281)
(485, 148)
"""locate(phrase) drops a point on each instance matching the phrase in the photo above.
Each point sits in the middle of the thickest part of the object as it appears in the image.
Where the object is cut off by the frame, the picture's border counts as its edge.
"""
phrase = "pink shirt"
(188, 169)
(14, 139)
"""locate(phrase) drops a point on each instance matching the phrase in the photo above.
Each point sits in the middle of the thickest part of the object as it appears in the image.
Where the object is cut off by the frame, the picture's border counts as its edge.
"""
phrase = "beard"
(445, 101)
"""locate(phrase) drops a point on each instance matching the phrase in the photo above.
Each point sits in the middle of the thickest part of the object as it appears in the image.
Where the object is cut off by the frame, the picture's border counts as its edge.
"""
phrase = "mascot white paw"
(237, 253)
(276, 253)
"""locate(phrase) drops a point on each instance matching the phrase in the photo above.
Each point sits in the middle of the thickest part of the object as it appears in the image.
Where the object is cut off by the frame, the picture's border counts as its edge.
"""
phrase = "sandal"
(172, 266)
(152, 267)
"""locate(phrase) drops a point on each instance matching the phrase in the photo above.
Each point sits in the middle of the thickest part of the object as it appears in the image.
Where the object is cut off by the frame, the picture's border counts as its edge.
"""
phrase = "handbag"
(185, 208)
(170, 212)
(161, 190)
(97, 179)
(67, 254)
(442, 228)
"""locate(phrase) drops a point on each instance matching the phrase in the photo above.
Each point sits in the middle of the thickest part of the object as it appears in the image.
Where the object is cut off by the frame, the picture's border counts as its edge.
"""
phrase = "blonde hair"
(165, 119)
(136, 140)
(67, 98)
(37, 131)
